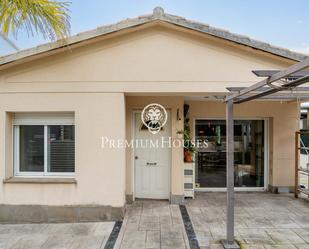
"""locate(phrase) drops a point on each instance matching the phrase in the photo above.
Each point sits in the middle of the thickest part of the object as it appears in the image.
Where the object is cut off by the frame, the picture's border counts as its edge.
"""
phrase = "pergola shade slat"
(268, 73)
(270, 91)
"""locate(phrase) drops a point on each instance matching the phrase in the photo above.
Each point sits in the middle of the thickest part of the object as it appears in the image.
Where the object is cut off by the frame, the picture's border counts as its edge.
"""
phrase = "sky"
(284, 23)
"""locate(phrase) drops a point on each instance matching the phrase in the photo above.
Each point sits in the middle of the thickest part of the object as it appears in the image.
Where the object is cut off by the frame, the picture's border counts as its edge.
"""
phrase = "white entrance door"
(152, 165)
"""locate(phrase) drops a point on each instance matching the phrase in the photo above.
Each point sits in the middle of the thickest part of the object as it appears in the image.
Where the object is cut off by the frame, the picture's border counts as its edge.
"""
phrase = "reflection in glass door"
(248, 156)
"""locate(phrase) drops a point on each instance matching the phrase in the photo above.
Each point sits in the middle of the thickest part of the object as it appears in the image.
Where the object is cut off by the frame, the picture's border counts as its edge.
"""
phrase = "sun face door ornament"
(154, 117)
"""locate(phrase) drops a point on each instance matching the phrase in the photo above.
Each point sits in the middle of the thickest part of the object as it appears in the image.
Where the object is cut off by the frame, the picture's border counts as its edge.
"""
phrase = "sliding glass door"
(248, 156)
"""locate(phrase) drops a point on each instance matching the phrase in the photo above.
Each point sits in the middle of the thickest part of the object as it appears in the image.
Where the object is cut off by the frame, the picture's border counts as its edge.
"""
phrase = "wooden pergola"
(290, 78)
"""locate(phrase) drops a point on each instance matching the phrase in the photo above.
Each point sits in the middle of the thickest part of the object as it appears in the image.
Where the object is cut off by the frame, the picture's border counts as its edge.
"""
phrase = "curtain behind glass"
(31, 148)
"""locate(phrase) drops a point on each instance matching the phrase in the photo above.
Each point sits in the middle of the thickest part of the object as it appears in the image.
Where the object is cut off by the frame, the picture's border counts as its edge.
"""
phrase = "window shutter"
(61, 149)
(38, 118)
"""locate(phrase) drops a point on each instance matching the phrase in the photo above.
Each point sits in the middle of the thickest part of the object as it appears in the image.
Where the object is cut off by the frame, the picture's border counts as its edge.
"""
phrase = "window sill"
(40, 180)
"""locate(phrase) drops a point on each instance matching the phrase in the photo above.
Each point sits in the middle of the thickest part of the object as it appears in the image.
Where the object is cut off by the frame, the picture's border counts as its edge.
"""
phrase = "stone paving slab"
(152, 224)
(55, 236)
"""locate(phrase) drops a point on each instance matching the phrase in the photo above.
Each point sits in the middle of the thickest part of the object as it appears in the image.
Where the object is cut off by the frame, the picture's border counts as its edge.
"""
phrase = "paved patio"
(263, 220)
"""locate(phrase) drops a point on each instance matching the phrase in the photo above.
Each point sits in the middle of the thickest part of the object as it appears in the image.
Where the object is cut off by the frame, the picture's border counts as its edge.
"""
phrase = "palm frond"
(48, 17)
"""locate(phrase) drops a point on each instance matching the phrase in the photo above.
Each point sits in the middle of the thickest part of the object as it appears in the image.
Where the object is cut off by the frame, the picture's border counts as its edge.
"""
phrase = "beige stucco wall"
(100, 173)
(283, 122)
(91, 80)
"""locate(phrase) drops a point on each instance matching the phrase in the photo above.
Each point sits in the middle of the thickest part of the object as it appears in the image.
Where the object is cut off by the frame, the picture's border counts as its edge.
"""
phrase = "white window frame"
(46, 120)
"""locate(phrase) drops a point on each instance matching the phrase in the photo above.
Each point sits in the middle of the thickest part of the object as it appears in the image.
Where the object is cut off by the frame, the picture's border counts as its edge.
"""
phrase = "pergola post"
(230, 243)
(240, 97)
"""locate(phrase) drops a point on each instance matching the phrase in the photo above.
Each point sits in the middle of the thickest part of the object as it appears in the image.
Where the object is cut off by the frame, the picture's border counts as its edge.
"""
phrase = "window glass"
(44, 149)
(60, 148)
(31, 148)
(248, 153)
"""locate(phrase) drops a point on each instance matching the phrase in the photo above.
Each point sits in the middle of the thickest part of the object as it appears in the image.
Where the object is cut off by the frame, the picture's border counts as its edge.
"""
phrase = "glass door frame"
(266, 156)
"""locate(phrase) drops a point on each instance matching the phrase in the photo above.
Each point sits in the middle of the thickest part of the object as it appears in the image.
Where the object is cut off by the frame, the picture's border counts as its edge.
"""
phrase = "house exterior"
(61, 103)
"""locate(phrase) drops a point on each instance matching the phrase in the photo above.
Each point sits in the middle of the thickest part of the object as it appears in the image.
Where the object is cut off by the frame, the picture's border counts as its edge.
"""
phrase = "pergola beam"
(291, 84)
(268, 73)
(298, 93)
(275, 77)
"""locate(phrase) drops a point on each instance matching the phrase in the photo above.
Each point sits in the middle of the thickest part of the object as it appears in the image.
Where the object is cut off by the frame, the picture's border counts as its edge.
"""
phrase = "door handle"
(151, 164)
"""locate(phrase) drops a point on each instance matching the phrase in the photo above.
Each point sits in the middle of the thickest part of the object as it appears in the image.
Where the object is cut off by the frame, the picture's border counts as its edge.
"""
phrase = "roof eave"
(158, 15)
